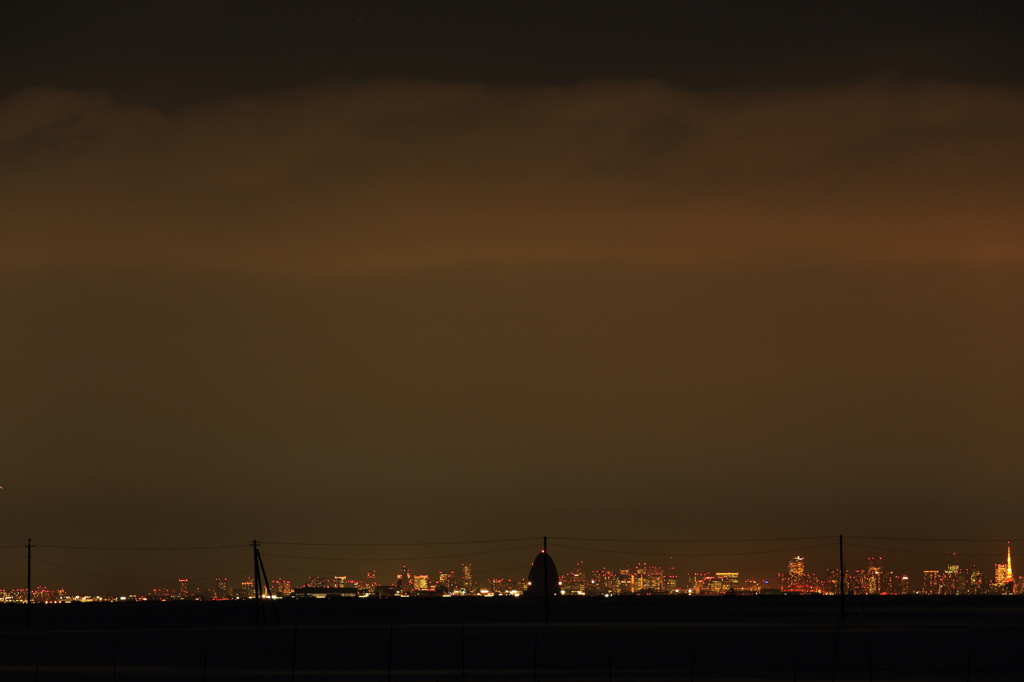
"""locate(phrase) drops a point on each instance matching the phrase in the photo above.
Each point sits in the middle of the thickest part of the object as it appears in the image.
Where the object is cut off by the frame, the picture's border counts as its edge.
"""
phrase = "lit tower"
(1009, 585)
(1004, 573)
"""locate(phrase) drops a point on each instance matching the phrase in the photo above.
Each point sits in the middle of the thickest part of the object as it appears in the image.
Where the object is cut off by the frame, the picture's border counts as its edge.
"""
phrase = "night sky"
(354, 272)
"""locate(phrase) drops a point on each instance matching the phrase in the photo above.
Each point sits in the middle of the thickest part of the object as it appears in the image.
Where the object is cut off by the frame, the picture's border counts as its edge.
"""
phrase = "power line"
(918, 551)
(475, 570)
(874, 537)
(497, 570)
(143, 549)
(147, 580)
(414, 558)
(291, 568)
(701, 554)
(809, 537)
(522, 539)
(396, 544)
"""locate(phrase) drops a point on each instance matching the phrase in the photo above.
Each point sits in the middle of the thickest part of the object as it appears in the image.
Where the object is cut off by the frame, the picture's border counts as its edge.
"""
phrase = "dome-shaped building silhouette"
(543, 576)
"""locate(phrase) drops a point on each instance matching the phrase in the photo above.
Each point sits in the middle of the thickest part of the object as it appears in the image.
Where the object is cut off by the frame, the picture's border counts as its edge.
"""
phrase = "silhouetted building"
(543, 577)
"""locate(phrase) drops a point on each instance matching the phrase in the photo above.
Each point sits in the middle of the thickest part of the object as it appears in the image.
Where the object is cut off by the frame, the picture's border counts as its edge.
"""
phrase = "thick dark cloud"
(420, 174)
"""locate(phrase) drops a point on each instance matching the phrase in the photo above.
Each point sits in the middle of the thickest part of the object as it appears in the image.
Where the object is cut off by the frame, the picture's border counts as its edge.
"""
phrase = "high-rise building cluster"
(871, 580)
(956, 578)
(39, 594)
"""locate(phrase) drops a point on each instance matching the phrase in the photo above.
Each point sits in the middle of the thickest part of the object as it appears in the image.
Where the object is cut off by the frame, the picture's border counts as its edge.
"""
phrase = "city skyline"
(814, 572)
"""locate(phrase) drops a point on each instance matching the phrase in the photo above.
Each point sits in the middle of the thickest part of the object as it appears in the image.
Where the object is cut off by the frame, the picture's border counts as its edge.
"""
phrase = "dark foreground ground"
(617, 639)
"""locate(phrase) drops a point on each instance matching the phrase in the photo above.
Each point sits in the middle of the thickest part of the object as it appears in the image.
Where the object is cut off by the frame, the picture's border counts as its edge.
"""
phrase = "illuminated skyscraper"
(647, 578)
(404, 581)
(247, 590)
(974, 581)
(873, 578)
(603, 581)
(953, 578)
(794, 576)
(1000, 579)
(625, 581)
(281, 588)
(720, 583)
(575, 581)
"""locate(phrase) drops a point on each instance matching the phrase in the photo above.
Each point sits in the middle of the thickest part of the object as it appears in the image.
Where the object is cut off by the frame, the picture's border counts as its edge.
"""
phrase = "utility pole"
(256, 583)
(260, 584)
(28, 592)
(546, 560)
(842, 582)
(263, 572)
(257, 587)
